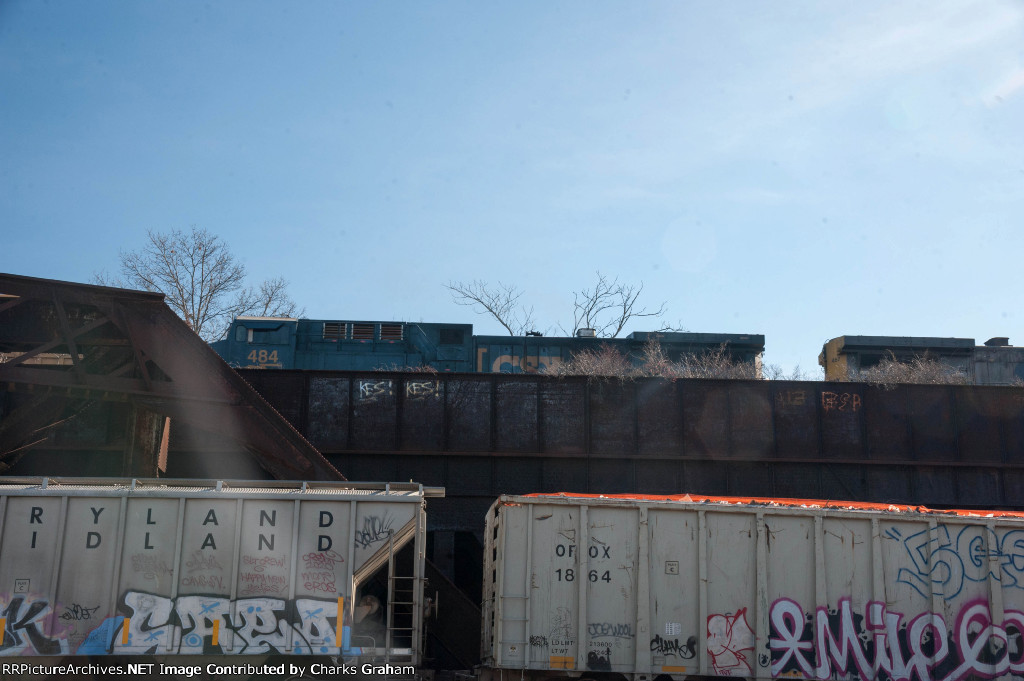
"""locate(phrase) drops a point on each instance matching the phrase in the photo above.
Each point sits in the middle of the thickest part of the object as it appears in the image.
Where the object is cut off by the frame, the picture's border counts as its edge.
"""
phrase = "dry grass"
(602, 361)
(891, 372)
(605, 361)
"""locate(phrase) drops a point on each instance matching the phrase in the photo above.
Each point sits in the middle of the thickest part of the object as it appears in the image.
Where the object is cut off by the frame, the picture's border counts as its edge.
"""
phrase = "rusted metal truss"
(69, 345)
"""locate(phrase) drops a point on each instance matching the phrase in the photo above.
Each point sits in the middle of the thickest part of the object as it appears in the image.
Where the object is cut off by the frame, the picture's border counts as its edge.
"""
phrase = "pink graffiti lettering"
(928, 651)
(322, 560)
(831, 651)
(260, 563)
(209, 581)
(319, 581)
(975, 633)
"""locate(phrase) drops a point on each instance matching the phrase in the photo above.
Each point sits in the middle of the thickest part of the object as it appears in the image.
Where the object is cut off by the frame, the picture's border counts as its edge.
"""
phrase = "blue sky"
(803, 170)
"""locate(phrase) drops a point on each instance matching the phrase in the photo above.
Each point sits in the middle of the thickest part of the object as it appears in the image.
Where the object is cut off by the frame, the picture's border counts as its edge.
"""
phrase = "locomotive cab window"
(241, 334)
(277, 335)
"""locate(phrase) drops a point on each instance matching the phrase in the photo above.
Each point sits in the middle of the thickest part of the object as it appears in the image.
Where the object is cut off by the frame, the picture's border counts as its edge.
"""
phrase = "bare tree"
(500, 302)
(202, 281)
(269, 299)
(606, 307)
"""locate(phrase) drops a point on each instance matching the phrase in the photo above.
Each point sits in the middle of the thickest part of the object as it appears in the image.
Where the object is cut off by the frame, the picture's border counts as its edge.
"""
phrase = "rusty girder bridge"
(66, 347)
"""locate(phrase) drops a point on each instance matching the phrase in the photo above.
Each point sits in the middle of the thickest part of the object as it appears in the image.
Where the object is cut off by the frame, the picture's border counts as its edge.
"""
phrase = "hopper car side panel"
(588, 586)
(96, 568)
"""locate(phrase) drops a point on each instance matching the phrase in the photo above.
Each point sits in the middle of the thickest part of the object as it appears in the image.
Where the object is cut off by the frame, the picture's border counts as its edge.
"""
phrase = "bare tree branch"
(201, 280)
(608, 306)
(269, 299)
(500, 302)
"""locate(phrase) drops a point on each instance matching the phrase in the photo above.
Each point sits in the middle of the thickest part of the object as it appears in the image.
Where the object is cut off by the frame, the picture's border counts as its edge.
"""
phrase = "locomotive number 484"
(262, 356)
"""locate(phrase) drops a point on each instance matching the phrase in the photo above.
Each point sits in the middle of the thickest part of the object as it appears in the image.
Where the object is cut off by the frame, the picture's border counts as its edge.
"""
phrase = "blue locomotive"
(287, 343)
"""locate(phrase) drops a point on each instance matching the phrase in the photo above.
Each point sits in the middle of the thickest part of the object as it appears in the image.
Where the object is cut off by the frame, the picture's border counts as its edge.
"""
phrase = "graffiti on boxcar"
(672, 647)
(561, 624)
(258, 583)
(318, 575)
(322, 560)
(23, 632)
(881, 645)
(150, 567)
(77, 613)
(258, 577)
(320, 581)
(214, 625)
(561, 633)
(942, 564)
(375, 529)
(215, 582)
(605, 629)
(264, 627)
(599, 660)
(200, 561)
(730, 643)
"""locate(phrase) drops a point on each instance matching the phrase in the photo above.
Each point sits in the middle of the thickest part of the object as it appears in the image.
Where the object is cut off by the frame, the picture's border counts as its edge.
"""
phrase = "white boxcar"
(678, 586)
(158, 567)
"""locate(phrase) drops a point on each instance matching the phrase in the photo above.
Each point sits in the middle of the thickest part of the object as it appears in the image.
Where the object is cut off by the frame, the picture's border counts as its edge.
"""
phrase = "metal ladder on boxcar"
(401, 601)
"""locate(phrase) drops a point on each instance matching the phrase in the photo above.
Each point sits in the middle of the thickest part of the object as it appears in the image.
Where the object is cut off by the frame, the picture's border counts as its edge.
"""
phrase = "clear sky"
(802, 170)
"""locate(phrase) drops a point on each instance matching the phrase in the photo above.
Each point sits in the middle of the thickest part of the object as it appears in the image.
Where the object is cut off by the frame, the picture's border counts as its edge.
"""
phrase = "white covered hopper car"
(648, 587)
(170, 568)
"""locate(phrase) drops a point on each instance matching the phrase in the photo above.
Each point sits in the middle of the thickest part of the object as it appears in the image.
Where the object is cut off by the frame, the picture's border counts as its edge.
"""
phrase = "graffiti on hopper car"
(150, 567)
(76, 612)
(152, 624)
(731, 643)
(25, 629)
(609, 629)
(943, 563)
(375, 529)
(880, 644)
(673, 647)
